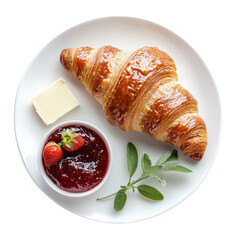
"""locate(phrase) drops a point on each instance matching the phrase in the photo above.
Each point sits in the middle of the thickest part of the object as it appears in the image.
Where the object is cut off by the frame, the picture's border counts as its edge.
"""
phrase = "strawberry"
(71, 141)
(52, 153)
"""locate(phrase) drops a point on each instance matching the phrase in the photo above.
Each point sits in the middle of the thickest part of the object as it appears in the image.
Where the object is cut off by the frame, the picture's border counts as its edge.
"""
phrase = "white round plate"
(124, 33)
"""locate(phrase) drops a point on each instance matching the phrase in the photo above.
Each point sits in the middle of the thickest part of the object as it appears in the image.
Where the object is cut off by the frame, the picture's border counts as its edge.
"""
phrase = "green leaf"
(132, 158)
(73, 140)
(120, 200)
(178, 168)
(153, 170)
(164, 158)
(161, 180)
(168, 156)
(150, 192)
(69, 144)
(168, 165)
(74, 135)
(145, 162)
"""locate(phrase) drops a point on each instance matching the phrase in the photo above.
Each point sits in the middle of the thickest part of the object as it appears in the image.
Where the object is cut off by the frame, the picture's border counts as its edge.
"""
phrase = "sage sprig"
(168, 162)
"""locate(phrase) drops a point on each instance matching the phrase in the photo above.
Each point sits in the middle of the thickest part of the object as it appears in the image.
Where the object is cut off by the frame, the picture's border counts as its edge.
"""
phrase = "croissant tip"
(196, 156)
(194, 150)
(63, 58)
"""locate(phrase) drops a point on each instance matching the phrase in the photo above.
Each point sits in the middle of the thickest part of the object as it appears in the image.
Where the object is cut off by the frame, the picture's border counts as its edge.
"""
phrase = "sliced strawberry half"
(71, 141)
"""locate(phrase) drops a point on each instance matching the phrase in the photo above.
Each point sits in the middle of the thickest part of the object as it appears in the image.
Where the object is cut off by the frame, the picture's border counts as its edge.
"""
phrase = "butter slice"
(54, 102)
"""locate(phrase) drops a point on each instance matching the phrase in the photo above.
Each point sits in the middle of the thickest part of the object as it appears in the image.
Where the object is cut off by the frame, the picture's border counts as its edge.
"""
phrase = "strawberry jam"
(83, 169)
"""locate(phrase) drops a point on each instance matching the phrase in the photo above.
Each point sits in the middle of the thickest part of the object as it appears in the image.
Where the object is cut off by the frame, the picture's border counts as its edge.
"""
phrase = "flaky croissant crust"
(139, 91)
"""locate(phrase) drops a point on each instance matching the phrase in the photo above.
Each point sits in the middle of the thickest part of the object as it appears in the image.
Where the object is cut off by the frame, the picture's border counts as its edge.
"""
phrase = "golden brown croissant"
(139, 92)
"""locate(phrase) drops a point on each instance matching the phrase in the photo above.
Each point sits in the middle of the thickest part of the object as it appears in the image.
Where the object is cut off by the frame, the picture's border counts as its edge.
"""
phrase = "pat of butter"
(54, 102)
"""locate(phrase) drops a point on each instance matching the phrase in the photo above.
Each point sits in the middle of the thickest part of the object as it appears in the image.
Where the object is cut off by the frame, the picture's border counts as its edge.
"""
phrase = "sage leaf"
(160, 180)
(150, 192)
(168, 165)
(178, 168)
(145, 162)
(120, 200)
(132, 158)
(168, 156)
(173, 157)
(153, 170)
(164, 158)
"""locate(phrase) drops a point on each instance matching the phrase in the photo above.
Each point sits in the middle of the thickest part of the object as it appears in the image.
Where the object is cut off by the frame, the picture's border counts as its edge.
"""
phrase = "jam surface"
(83, 169)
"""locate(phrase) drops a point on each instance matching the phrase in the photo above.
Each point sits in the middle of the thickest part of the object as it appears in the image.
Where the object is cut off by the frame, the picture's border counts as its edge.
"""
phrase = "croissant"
(139, 91)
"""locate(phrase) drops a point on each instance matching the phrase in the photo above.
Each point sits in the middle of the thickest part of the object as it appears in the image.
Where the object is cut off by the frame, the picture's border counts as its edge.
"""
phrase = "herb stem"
(129, 182)
(107, 196)
(138, 180)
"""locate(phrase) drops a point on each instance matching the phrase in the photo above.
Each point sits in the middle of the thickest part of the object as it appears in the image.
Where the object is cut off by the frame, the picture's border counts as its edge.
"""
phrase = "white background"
(212, 28)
